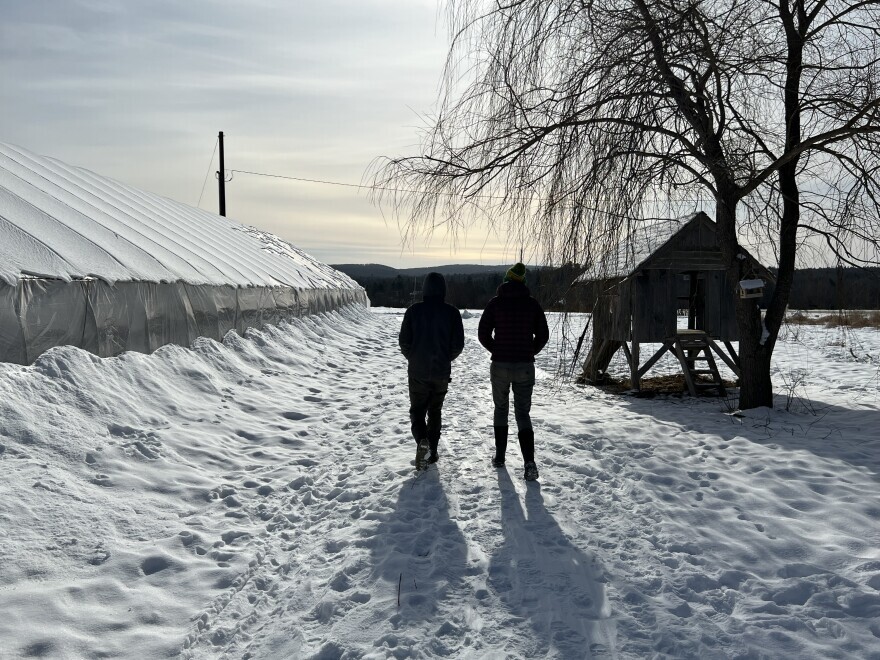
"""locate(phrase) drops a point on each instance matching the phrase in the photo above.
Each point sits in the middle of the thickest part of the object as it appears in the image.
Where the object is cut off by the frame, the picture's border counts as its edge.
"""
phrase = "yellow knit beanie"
(516, 273)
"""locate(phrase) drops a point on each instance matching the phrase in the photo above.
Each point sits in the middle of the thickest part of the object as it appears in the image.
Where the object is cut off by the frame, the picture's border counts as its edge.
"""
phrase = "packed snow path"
(256, 499)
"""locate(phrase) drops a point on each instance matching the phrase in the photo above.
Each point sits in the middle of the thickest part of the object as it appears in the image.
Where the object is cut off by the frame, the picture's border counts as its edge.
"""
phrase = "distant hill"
(366, 270)
(378, 270)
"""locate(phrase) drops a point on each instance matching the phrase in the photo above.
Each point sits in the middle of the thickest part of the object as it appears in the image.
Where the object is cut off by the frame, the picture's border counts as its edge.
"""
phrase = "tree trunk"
(755, 351)
(756, 389)
(755, 386)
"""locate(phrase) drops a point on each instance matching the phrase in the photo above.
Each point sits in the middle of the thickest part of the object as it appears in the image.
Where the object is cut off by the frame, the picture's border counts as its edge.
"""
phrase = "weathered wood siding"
(727, 329)
(654, 305)
(611, 315)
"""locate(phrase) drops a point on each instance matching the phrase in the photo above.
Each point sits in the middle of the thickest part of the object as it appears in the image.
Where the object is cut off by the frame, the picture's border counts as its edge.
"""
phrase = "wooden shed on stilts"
(660, 270)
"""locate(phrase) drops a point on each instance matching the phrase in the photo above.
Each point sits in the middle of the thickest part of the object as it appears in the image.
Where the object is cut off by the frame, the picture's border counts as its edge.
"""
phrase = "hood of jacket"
(513, 289)
(434, 287)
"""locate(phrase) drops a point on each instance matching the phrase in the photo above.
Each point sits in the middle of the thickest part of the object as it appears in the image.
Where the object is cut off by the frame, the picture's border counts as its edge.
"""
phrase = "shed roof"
(63, 222)
(640, 241)
(644, 241)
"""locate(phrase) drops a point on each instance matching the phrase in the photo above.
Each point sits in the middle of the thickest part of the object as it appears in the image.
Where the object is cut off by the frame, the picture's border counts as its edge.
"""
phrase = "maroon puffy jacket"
(513, 326)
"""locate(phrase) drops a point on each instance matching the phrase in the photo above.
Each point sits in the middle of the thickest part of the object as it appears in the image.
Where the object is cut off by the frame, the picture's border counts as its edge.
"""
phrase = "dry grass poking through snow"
(673, 384)
(847, 318)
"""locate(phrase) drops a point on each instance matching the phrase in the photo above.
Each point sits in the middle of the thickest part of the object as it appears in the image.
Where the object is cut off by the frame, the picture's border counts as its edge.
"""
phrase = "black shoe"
(498, 461)
(433, 458)
(422, 451)
(531, 471)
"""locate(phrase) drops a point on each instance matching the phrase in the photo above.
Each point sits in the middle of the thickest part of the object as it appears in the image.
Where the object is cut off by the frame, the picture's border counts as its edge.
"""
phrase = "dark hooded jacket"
(432, 334)
(513, 326)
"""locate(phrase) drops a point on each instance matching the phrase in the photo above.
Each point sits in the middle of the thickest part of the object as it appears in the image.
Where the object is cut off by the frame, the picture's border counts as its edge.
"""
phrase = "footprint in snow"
(154, 564)
(102, 480)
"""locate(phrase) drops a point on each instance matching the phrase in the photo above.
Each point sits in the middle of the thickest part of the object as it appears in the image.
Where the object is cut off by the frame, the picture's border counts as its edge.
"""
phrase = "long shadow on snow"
(825, 430)
(543, 578)
(419, 547)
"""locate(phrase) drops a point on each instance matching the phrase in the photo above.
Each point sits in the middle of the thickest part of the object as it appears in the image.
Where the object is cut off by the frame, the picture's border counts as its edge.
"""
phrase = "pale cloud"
(138, 91)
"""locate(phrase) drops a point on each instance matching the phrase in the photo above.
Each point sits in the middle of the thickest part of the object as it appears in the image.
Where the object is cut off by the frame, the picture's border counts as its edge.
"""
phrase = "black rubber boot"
(500, 446)
(423, 451)
(527, 445)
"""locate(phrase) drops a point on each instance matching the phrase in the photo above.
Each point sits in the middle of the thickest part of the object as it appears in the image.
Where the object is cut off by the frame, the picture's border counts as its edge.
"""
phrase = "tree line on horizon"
(812, 288)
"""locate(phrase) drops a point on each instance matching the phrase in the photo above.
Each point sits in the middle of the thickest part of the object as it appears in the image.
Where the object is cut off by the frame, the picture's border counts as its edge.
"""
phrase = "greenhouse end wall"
(106, 320)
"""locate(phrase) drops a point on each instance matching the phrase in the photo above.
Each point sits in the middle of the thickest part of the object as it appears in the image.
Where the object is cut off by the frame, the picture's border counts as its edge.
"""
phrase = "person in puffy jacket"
(431, 337)
(514, 329)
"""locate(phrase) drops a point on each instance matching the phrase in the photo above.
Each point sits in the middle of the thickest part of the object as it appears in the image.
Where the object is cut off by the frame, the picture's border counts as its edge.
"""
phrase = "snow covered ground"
(255, 499)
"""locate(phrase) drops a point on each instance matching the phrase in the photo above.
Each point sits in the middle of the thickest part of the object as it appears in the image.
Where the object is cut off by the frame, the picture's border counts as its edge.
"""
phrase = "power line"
(210, 163)
(329, 183)
(414, 192)
(753, 246)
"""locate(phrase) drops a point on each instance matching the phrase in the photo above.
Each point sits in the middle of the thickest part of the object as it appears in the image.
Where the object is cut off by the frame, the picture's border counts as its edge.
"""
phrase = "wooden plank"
(685, 369)
(634, 367)
(622, 325)
(602, 317)
(641, 316)
(686, 261)
(730, 363)
(714, 368)
(712, 294)
(727, 329)
(732, 352)
(665, 305)
(654, 306)
(650, 363)
(629, 357)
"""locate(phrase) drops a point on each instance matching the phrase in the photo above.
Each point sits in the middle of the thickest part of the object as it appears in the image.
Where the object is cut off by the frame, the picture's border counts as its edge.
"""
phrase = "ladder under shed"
(694, 350)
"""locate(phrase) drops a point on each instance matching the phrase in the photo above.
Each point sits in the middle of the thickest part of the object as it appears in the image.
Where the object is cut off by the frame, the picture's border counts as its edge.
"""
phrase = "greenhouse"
(91, 262)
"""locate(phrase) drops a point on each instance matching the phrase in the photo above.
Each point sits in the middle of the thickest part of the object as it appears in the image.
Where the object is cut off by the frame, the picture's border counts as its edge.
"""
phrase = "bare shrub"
(794, 387)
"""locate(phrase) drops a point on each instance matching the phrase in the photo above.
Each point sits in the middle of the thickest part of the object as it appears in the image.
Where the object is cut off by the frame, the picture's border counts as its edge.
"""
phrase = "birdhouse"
(751, 288)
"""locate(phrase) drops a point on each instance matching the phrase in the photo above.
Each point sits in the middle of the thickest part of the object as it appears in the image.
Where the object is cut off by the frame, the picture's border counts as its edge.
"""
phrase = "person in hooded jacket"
(513, 328)
(431, 337)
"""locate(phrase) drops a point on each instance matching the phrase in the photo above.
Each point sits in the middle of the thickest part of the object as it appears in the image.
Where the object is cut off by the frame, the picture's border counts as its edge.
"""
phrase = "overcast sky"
(306, 88)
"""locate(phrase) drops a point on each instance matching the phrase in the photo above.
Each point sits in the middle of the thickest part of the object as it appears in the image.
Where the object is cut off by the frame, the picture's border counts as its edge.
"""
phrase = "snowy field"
(256, 499)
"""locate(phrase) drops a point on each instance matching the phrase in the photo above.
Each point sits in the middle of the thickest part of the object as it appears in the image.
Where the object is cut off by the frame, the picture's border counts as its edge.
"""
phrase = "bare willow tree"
(563, 120)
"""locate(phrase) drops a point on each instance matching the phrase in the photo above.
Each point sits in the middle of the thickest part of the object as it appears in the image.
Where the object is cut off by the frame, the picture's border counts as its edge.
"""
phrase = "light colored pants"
(521, 377)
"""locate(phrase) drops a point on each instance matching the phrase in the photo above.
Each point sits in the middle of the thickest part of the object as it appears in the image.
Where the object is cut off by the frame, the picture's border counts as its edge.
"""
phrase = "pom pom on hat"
(516, 273)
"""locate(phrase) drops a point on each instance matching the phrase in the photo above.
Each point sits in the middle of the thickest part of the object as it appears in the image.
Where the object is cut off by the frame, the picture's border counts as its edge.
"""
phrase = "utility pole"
(221, 178)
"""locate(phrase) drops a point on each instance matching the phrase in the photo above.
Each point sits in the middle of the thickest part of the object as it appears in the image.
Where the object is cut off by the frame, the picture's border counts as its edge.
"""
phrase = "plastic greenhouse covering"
(90, 262)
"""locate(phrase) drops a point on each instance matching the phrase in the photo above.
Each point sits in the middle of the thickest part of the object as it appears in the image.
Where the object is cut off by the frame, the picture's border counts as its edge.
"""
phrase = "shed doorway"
(691, 298)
